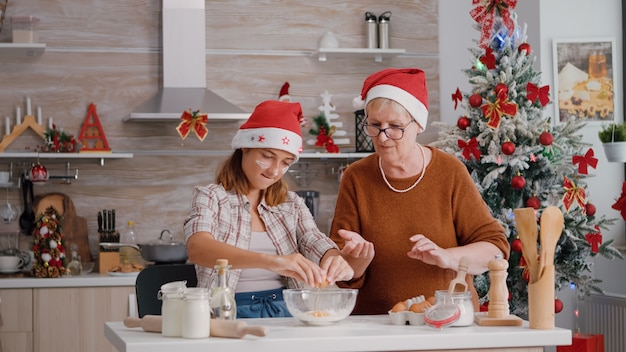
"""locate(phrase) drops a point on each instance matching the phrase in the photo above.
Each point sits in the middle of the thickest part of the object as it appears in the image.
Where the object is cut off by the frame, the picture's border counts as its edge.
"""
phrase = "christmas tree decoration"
(48, 246)
(584, 161)
(620, 203)
(540, 171)
(516, 245)
(475, 100)
(558, 305)
(327, 137)
(525, 47)
(463, 122)
(508, 148)
(546, 138)
(590, 209)
(38, 173)
(457, 97)
(193, 121)
(91, 135)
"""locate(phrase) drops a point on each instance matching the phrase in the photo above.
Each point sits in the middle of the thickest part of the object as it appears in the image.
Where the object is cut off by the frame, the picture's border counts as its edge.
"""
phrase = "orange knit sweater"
(445, 206)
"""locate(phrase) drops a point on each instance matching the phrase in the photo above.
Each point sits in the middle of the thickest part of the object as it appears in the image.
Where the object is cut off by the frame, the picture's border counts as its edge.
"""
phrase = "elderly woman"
(415, 206)
(249, 217)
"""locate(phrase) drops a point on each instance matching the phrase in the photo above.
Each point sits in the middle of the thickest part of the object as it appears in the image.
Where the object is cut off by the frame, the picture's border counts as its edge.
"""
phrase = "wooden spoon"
(459, 281)
(551, 227)
(527, 233)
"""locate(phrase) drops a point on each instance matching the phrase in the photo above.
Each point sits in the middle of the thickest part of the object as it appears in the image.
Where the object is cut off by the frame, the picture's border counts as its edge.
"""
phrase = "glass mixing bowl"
(320, 306)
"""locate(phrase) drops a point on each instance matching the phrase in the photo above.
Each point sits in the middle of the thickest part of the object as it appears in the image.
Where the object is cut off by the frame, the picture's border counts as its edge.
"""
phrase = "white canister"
(196, 313)
(171, 295)
(464, 301)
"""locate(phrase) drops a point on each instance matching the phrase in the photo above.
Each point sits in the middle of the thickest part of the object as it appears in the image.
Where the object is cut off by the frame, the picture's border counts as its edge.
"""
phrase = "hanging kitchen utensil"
(527, 232)
(551, 226)
(38, 173)
(459, 284)
(8, 211)
(27, 218)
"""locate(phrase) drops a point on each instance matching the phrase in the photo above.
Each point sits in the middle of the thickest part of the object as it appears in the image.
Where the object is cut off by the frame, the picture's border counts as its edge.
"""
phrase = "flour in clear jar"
(196, 313)
(171, 295)
(464, 301)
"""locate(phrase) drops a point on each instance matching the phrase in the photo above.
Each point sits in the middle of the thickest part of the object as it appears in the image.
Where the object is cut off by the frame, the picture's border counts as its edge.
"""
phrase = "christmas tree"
(48, 247)
(519, 158)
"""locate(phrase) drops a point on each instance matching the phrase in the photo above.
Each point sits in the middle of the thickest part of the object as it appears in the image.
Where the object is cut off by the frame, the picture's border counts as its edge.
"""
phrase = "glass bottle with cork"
(74, 267)
(223, 305)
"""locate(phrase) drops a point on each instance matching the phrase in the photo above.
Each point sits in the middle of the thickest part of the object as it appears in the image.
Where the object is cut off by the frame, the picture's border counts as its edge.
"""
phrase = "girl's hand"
(299, 268)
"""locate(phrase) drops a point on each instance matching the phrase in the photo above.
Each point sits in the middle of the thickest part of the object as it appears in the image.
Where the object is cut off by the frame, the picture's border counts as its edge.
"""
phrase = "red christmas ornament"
(525, 46)
(558, 305)
(518, 182)
(463, 122)
(501, 87)
(533, 202)
(590, 209)
(516, 245)
(484, 307)
(475, 100)
(545, 138)
(508, 148)
(38, 173)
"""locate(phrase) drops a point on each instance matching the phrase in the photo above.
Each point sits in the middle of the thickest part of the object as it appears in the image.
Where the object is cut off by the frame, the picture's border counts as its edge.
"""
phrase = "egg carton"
(404, 317)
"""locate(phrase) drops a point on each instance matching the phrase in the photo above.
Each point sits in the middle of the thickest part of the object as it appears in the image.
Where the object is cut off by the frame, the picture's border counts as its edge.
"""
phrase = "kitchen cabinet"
(16, 331)
(60, 318)
(71, 319)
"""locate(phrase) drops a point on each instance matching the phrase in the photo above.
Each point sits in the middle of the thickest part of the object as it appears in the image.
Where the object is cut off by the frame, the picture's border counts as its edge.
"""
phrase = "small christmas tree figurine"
(48, 247)
(518, 159)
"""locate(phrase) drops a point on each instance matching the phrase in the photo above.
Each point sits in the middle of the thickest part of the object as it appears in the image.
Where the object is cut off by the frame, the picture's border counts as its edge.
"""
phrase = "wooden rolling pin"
(219, 328)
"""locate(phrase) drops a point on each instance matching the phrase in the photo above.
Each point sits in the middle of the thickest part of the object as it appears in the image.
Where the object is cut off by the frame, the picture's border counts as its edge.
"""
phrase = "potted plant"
(613, 138)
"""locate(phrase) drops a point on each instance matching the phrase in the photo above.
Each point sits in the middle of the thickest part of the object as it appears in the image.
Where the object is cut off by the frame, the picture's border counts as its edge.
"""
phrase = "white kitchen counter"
(89, 280)
(357, 333)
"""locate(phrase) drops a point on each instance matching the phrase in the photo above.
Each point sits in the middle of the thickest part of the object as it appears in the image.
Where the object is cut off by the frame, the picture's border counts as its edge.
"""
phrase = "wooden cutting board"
(74, 226)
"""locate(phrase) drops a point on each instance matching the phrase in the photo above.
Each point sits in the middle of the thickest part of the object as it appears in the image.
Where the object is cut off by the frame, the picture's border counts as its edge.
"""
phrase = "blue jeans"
(261, 304)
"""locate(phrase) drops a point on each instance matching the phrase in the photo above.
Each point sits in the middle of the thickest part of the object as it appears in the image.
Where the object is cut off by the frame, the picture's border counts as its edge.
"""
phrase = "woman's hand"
(355, 245)
(336, 268)
(428, 252)
(298, 267)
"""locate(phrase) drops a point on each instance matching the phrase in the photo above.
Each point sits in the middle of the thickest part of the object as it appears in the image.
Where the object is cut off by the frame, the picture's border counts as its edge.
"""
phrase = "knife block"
(107, 259)
(541, 300)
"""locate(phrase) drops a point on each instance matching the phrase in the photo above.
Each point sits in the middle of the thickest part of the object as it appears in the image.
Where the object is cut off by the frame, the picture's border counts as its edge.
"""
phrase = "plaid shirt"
(226, 216)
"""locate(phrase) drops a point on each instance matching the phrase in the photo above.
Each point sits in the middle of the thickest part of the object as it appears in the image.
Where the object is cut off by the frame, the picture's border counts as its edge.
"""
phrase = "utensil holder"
(541, 301)
(107, 260)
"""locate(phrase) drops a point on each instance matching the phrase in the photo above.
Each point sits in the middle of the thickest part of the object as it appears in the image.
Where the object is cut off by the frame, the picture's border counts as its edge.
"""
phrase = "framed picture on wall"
(585, 79)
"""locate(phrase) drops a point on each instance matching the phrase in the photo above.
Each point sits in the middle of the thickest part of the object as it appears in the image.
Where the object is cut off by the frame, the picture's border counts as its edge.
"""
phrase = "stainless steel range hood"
(184, 69)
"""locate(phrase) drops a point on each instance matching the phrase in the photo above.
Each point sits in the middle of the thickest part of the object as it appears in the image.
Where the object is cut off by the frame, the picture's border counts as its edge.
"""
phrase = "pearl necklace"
(380, 166)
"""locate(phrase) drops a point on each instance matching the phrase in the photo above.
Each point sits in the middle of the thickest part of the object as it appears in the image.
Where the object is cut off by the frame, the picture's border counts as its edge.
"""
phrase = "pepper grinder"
(498, 314)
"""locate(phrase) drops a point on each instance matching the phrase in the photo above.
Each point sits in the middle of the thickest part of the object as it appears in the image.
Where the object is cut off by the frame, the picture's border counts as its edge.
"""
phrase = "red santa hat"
(273, 124)
(406, 86)
(284, 93)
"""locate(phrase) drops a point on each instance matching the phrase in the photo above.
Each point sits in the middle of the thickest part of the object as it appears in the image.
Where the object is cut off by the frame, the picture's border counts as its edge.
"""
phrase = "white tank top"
(252, 280)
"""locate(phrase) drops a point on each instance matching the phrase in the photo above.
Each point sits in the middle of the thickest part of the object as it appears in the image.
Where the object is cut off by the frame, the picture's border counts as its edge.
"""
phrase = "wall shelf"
(65, 156)
(378, 54)
(22, 49)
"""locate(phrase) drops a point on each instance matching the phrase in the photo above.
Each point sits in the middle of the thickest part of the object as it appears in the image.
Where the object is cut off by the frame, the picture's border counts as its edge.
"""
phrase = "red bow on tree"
(485, 15)
(470, 147)
(620, 204)
(533, 92)
(325, 140)
(502, 106)
(594, 239)
(457, 97)
(584, 161)
(573, 194)
(193, 121)
(489, 59)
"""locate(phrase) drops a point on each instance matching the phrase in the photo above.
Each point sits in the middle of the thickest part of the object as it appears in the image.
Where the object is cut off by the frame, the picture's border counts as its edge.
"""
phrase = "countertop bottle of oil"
(74, 267)
(129, 255)
(223, 305)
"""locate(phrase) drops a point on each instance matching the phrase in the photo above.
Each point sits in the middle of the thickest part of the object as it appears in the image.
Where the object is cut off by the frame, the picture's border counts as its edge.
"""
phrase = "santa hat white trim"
(414, 106)
(269, 137)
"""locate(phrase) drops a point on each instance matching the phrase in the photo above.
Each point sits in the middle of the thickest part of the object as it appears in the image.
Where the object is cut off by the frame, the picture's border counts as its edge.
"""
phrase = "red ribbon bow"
(573, 194)
(457, 97)
(533, 92)
(470, 147)
(325, 140)
(489, 59)
(620, 204)
(494, 111)
(584, 161)
(193, 121)
(485, 15)
(594, 239)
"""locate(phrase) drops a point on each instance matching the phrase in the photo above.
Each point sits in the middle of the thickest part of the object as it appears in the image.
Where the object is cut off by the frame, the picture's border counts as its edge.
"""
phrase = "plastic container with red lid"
(25, 29)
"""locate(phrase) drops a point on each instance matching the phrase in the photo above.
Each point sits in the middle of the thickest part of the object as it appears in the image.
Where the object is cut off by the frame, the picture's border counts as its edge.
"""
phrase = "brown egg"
(420, 307)
(399, 307)
(431, 299)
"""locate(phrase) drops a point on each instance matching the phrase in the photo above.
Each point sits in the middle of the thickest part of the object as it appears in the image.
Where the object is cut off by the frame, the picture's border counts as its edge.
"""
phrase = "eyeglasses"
(394, 133)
